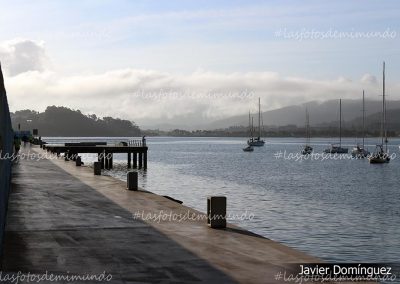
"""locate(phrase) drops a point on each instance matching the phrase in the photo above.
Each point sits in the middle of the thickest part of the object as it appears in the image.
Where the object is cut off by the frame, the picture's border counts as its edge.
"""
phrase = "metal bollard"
(78, 161)
(132, 181)
(216, 211)
(97, 168)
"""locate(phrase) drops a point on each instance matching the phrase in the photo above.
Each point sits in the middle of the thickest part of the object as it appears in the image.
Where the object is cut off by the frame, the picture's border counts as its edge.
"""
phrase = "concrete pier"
(64, 219)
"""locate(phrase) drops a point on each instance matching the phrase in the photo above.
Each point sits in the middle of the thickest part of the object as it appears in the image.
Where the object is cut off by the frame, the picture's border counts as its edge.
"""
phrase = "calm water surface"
(338, 210)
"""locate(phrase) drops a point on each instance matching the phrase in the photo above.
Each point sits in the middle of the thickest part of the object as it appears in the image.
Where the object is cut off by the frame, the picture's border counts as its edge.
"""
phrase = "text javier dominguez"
(343, 271)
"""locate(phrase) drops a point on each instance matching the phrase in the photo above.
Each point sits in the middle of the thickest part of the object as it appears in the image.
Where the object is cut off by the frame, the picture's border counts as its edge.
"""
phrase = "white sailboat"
(359, 151)
(249, 148)
(307, 148)
(257, 141)
(381, 155)
(337, 148)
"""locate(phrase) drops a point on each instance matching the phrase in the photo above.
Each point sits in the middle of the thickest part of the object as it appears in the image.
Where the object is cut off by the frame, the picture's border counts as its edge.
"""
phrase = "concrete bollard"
(216, 211)
(78, 161)
(132, 181)
(97, 168)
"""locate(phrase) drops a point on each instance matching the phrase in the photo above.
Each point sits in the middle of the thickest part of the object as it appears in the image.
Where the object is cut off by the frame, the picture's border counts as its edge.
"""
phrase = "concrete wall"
(6, 147)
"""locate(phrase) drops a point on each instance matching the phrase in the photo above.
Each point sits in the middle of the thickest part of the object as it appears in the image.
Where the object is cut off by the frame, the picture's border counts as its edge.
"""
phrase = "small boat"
(307, 148)
(337, 148)
(257, 141)
(381, 156)
(248, 149)
(359, 151)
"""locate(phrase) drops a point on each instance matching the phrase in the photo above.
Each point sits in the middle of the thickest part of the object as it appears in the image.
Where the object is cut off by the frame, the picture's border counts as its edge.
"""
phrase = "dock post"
(216, 211)
(129, 160)
(110, 162)
(78, 161)
(145, 160)
(135, 160)
(140, 160)
(132, 181)
(106, 161)
(102, 158)
(97, 168)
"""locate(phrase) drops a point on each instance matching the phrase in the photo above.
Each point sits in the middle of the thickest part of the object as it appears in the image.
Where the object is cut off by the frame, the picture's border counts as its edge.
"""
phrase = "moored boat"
(359, 151)
(307, 150)
(257, 141)
(337, 148)
(381, 155)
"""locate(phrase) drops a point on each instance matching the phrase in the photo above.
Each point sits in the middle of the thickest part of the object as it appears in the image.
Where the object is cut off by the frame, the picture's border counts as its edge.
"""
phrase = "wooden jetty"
(136, 151)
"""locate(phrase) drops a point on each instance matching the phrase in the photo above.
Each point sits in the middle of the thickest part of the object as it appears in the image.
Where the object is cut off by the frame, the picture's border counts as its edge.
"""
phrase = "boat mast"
(384, 131)
(250, 129)
(307, 128)
(340, 123)
(259, 119)
(363, 129)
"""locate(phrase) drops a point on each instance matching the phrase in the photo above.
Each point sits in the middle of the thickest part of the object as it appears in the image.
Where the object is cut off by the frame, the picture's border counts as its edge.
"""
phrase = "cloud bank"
(151, 97)
(22, 55)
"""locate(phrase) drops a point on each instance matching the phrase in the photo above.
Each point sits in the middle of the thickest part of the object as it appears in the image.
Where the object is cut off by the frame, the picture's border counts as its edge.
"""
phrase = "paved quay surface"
(64, 220)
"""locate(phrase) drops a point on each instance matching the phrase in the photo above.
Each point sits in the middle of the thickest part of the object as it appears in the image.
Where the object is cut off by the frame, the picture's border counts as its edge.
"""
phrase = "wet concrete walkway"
(64, 220)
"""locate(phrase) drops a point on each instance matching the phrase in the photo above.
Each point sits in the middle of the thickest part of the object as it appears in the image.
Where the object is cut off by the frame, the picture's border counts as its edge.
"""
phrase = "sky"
(158, 62)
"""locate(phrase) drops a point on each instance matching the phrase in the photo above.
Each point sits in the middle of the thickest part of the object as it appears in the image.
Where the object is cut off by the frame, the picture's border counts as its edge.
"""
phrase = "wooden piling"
(135, 160)
(140, 160)
(106, 161)
(145, 160)
(101, 160)
(129, 160)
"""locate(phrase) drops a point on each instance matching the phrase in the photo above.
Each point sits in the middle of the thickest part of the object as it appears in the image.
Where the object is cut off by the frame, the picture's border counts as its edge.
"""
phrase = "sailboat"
(359, 151)
(250, 148)
(307, 148)
(381, 155)
(257, 141)
(337, 148)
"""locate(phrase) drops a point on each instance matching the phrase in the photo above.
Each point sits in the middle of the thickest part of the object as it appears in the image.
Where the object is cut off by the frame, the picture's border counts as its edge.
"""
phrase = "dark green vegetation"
(62, 121)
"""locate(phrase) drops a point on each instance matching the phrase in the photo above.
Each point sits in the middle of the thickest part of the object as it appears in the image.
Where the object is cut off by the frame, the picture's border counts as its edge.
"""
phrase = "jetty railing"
(137, 143)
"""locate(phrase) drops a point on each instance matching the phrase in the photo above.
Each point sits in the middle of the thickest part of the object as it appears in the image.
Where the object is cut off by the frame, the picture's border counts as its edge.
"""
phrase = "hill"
(62, 121)
(320, 113)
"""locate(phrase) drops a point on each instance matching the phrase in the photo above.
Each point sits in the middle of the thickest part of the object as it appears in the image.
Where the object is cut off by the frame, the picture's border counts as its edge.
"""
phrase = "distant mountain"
(62, 121)
(320, 113)
(373, 121)
(352, 128)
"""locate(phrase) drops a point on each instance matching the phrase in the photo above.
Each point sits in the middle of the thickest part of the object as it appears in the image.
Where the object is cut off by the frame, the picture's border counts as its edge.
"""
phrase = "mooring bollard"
(78, 161)
(97, 168)
(132, 181)
(216, 211)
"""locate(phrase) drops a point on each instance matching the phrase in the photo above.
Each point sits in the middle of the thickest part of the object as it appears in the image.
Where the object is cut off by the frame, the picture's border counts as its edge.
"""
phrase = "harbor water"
(338, 209)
